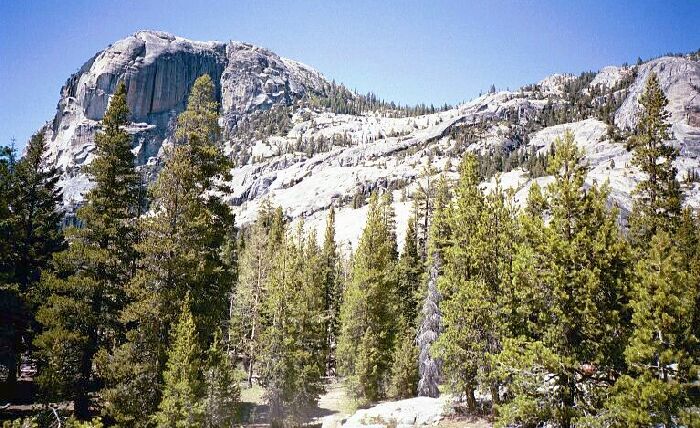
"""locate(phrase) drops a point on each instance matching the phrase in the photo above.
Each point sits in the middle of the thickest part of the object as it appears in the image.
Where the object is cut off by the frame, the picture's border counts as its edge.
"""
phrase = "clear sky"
(410, 51)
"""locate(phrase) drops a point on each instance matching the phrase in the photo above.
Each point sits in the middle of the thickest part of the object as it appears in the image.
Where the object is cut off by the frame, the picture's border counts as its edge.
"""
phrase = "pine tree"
(423, 208)
(35, 236)
(367, 326)
(246, 321)
(35, 205)
(662, 351)
(307, 318)
(658, 196)
(460, 345)
(404, 369)
(292, 358)
(222, 393)
(182, 250)
(332, 289)
(440, 225)
(6, 170)
(86, 289)
(409, 275)
(181, 405)
(569, 279)
(498, 228)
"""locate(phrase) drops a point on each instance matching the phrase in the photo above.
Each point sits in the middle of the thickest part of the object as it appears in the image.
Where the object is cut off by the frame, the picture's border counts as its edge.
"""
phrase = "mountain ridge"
(284, 127)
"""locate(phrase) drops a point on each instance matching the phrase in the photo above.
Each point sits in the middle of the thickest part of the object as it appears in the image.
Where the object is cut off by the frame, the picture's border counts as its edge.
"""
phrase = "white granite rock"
(377, 151)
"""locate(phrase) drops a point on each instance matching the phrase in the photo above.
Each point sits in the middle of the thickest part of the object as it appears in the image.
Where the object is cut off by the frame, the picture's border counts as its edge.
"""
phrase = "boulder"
(412, 412)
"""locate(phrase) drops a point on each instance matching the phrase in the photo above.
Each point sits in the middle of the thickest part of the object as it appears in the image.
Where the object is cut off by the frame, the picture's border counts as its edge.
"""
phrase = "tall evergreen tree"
(423, 208)
(6, 169)
(367, 323)
(183, 386)
(440, 224)
(404, 372)
(35, 236)
(182, 250)
(332, 289)
(569, 279)
(658, 200)
(36, 213)
(247, 317)
(465, 320)
(404, 368)
(662, 351)
(10, 321)
(222, 392)
(409, 271)
(86, 290)
(292, 357)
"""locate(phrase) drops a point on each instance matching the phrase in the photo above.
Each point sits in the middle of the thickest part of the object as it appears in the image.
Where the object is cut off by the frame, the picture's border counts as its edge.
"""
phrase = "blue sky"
(411, 51)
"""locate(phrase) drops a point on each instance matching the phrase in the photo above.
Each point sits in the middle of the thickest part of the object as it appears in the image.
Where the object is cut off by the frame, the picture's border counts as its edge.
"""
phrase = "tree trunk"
(495, 397)
(250, 371)
(9, 387)
(471, 400)
(81, 404)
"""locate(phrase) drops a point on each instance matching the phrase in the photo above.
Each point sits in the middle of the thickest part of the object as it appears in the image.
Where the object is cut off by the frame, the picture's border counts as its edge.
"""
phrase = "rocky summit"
(308, 143)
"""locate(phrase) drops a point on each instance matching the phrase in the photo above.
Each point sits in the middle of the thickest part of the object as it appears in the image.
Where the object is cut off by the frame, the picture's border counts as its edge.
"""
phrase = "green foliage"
(367, 315)
(183, 385)
(247, 315)
(542, 313)
(477, 310)
(409, 270)
(332, 286)
(531, 368)
(292, 344)
(583, 101)
(662, 350)
(200, 388)
(222, 392)
(464, 319)
(569, 279)
(182, 250)
(338, 99)
(440, 225)
(404, 370)
(658, 197)
(423, 206)
(36, 214)
(85, 291)
(29, 235)
(7, 164)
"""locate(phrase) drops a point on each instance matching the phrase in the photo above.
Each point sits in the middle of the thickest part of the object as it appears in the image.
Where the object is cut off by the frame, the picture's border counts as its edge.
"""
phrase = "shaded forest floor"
(334, 404)
(333, 408)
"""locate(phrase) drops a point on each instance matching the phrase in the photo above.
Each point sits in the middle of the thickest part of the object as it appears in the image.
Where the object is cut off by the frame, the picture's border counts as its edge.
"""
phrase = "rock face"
(412, 412)
(319, 158)
(255, 78)
(680, 80)
(159, 70)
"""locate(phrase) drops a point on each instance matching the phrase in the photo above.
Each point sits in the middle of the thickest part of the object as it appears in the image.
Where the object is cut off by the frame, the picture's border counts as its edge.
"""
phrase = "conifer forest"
(188, 285)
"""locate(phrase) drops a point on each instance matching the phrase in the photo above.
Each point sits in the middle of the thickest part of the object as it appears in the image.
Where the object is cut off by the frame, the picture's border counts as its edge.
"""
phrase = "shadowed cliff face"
(159, 70)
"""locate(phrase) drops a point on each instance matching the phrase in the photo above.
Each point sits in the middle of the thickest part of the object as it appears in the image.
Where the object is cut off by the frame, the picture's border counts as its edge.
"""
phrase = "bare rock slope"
(314, 158)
